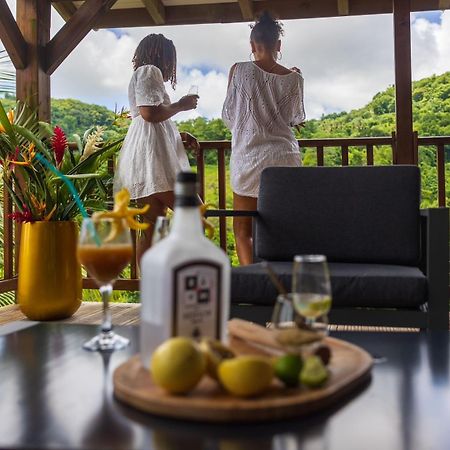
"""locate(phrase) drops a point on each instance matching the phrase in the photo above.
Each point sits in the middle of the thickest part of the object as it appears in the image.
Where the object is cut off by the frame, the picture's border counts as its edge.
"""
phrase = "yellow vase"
(49, 285)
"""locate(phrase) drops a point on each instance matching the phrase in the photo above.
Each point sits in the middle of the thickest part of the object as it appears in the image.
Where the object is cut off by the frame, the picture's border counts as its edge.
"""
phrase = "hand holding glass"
(104, 249)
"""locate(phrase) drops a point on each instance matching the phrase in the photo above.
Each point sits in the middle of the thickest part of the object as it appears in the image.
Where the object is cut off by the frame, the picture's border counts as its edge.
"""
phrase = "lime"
(314, 373)
(246, 376)
(177, 365)
(287, 369)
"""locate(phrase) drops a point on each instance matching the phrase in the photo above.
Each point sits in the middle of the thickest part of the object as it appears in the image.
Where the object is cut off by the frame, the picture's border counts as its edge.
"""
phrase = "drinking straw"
(277, 283)
(72, 190)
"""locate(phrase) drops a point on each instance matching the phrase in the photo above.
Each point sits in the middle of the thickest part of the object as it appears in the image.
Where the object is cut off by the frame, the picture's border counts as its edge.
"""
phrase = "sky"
(345, 61)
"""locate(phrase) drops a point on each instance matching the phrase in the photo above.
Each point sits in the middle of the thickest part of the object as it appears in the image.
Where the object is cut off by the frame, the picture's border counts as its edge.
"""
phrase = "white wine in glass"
(311, 287)
(105, 249)
(193, 90)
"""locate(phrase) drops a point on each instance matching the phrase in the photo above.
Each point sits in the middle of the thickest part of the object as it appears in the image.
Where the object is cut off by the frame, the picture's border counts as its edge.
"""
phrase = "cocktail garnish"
(122, 214)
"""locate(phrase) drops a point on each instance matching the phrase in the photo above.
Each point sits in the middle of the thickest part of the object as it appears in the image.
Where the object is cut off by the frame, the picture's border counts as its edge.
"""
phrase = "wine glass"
(105, 249)
(161, 229)
(311, 289)
(193, 90)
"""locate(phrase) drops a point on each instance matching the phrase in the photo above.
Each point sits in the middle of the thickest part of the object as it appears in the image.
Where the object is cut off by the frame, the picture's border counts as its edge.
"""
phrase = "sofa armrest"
(435, 250)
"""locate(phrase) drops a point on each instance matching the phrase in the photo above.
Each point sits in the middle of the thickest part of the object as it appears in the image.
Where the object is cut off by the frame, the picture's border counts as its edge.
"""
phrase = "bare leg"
(242, 227)
(158, 207)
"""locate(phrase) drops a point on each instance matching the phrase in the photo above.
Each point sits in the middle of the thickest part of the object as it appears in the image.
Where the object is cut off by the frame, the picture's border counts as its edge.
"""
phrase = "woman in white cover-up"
(264, 101)
(153, 152)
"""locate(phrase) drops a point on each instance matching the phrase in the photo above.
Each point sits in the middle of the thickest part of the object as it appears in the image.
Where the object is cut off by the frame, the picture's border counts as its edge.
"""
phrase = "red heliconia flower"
(21, 217)
(59, 144)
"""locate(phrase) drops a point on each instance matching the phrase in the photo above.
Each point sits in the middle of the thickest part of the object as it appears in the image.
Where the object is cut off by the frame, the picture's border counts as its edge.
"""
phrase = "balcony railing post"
(344, 152)
(369, 154)
(8, 237)
(440, 162)
(320, 155)
(222, 197)
(201, 171)
(416, 147)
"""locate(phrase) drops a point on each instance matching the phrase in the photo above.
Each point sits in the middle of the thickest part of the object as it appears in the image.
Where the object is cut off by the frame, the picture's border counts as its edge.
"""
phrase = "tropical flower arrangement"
(39, 194)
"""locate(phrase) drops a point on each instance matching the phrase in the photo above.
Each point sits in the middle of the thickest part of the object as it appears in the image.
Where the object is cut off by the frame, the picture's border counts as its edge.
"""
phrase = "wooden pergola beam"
(156, 10)
(12, 38)
(65, 9)
(343, 7)
(231, 12)
(404, 149)
(247, 9)
(72, 33)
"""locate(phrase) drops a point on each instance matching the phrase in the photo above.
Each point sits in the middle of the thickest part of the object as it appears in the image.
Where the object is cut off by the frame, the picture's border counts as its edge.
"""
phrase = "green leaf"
(32, 138)
(6, 125)
(83, 175)
(85, 163)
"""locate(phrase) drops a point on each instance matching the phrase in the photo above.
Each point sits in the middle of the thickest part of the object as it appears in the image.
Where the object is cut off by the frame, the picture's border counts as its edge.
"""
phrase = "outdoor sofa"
(388, 259)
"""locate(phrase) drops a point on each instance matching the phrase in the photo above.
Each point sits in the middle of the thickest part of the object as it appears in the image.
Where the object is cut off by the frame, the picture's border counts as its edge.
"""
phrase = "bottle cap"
(186, 177)
(186, 192)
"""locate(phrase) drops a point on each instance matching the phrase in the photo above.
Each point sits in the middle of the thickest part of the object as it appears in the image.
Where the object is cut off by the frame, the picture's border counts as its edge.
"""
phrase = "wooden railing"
(221, 148)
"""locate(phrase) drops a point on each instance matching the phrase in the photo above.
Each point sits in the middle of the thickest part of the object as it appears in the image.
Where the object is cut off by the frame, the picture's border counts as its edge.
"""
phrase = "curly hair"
(159, 51)
(266, 31)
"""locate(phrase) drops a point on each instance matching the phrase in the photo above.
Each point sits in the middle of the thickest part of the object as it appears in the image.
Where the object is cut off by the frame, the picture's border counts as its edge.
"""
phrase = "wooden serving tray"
(349, 367)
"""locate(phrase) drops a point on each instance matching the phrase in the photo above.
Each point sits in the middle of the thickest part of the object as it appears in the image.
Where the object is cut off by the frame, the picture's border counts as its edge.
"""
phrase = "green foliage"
(37, 192)
(431, 109)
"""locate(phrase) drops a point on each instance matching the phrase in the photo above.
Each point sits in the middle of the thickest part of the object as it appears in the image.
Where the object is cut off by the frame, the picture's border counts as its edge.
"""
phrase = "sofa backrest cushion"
(349, 214)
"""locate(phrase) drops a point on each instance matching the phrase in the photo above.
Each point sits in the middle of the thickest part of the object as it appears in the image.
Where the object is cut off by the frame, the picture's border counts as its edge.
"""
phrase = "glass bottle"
(185, 279)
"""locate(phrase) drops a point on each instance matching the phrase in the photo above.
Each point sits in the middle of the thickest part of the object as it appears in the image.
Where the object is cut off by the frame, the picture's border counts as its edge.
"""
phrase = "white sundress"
(260, 109)
(152, 153)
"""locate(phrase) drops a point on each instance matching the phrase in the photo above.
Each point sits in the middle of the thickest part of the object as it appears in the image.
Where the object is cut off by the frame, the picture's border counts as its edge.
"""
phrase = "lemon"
(287, 369)
(313, 374)
(177, 365)
(246, 376)
(214, 352)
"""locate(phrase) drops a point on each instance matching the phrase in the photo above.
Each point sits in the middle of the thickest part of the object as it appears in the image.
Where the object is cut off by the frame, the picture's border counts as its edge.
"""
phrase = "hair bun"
(266, 30)
(266, 18)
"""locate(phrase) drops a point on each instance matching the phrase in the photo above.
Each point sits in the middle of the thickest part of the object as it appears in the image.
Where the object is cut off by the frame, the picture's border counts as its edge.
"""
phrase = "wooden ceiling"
(140, 13)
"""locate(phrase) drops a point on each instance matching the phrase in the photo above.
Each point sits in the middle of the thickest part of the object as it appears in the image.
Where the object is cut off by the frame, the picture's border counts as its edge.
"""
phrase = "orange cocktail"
(105, 262)
(105, 249)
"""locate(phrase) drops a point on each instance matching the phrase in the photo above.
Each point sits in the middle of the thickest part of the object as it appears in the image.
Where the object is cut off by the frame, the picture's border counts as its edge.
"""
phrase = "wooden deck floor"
(128, 314)
(89, 313)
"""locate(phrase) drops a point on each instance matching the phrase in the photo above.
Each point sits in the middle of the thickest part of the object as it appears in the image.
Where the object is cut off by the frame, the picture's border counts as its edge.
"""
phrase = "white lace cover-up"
(152, 153)
(260, 109)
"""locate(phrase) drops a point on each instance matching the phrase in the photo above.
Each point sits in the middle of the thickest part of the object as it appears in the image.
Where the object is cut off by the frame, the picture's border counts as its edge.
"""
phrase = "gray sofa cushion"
(353, 285)
(349, 214)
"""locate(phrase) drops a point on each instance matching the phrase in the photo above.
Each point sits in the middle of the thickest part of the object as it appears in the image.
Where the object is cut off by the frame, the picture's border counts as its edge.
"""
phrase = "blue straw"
(73, 191)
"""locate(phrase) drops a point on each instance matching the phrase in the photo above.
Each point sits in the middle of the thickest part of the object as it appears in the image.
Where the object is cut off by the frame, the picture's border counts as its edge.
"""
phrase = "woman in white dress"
(264, 101)
(153, 152)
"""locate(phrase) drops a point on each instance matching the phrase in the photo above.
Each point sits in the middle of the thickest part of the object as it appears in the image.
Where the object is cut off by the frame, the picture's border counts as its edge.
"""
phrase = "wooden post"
(32, 83)
(403, 86)
(11, 37)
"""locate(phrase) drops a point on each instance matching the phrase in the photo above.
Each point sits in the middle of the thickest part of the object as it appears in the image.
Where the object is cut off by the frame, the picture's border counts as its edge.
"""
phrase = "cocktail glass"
(105, 249)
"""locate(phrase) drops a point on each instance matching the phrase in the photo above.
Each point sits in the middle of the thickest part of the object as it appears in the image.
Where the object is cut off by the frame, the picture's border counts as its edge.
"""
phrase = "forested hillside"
(431, 105)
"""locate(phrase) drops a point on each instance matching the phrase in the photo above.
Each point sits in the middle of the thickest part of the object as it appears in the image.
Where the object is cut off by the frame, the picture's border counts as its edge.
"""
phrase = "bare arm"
(230, 75)
(160, 113)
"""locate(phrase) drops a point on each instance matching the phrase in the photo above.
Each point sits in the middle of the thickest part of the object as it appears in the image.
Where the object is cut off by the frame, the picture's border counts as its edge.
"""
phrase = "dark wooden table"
(55, 395)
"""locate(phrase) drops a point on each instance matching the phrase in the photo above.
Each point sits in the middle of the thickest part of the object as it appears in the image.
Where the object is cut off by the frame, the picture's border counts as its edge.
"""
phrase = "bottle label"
(196, 301)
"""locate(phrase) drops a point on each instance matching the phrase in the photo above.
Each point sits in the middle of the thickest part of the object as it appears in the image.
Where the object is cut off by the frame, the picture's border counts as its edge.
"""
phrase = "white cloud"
(345, 61)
